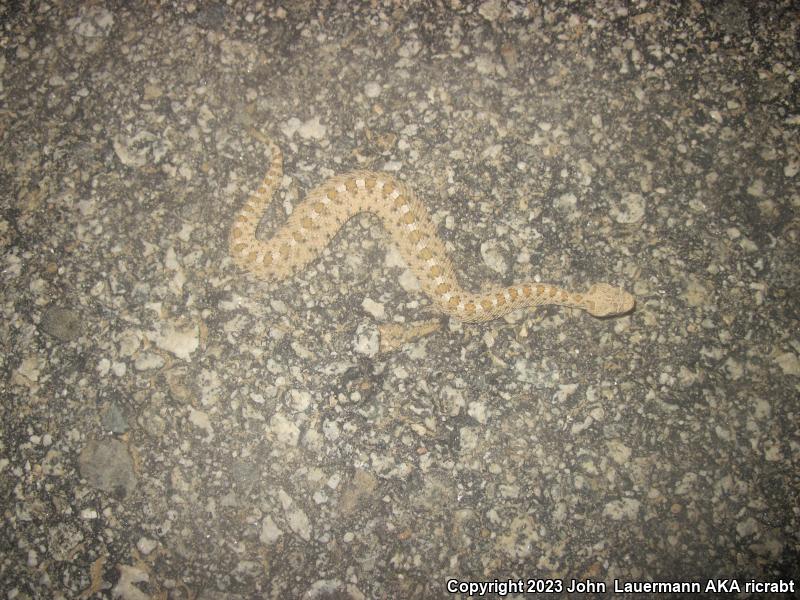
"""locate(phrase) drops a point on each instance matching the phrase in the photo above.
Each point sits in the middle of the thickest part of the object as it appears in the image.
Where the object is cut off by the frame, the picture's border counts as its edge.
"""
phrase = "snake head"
(603, 300)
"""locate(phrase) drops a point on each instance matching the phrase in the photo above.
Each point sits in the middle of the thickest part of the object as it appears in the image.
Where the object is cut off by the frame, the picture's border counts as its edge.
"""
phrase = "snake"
(318, 217)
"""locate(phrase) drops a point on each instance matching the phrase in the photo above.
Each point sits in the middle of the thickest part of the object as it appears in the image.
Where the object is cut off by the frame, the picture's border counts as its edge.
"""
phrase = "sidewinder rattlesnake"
(315, 221)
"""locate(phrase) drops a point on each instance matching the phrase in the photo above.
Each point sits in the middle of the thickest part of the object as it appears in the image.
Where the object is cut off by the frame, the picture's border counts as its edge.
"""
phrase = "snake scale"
(315, 221)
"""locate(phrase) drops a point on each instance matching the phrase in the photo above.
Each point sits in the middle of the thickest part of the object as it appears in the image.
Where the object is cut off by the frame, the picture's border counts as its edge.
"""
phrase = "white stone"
(372, 89)
(367, 340)
(269, 531)
(629, 209)
(375, 309)
(146, 545)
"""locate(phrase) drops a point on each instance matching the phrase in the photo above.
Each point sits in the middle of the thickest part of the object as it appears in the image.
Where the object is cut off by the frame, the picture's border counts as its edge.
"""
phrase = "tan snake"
(315, 221)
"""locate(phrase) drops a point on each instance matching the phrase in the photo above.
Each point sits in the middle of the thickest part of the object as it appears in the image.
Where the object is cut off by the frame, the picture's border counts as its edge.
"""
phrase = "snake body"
(315, 221)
